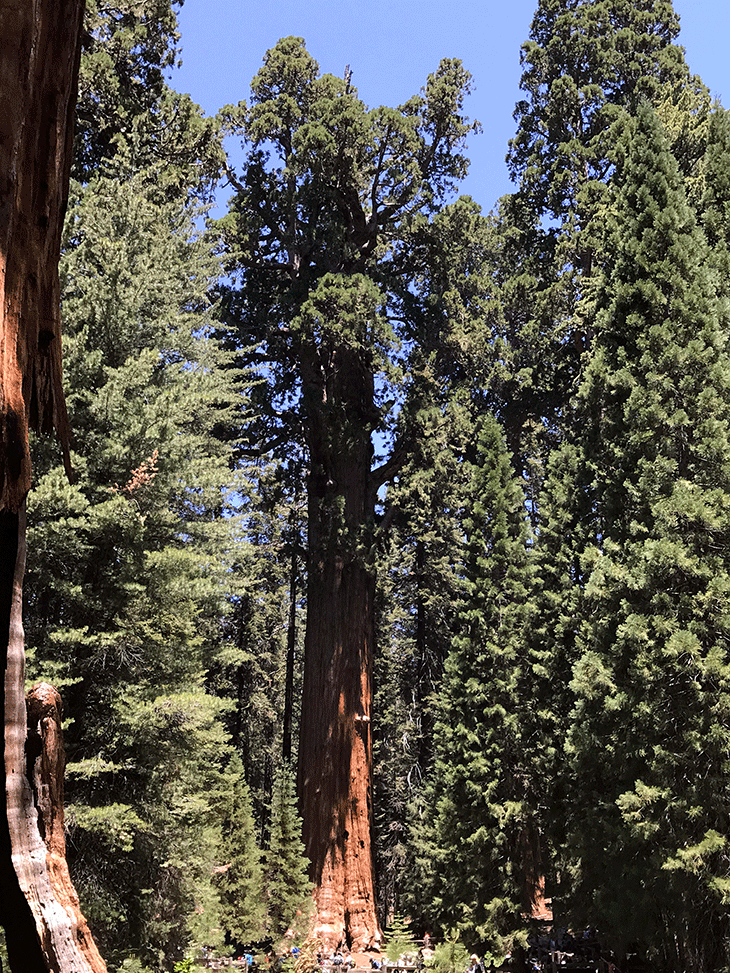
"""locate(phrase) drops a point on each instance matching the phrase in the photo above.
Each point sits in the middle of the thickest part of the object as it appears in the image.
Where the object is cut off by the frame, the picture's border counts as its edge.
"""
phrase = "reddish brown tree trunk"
(39, 60)
(38, 70)
(335, 753)
(46, 761)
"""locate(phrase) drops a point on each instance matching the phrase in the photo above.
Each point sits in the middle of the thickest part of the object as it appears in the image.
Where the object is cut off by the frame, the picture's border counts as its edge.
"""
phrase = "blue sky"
(391, 47)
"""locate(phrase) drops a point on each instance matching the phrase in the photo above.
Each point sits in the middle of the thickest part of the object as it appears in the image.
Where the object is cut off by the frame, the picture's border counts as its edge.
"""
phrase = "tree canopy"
(393, 579)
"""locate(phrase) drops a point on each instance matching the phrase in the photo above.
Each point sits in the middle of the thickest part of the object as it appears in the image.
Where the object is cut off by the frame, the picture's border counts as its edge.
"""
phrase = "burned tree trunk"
(39, 61)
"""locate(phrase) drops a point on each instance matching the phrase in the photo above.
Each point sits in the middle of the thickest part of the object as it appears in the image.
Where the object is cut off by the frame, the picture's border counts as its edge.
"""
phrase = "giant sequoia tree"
(317, 238)
(38, 72)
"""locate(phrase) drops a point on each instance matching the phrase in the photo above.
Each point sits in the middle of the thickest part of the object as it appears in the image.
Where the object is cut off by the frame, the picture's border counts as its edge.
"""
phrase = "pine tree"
(418, 585)
(650, 728)
(124, 100)
(399, 939)
(251, 668)
(289, 891)
(477, 843)
(715, 201)
(240, 880)
(586, 62)
(127, 574)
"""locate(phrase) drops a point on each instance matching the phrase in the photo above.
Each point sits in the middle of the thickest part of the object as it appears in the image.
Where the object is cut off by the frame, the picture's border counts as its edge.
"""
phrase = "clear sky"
(391, 47)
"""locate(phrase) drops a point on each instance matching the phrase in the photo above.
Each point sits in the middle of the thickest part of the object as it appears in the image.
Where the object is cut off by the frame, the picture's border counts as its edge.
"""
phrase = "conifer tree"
(555, 598)
(715, 202)
(41, 921)
(252, 668)
(585, 61)
(318, 238)
(126, 49)
(288, 888)
(240, 880)
(124, 100)
(399, 938)
(650, 730)
(127, 574)
(476, 859)
(419, 581)
(584, 64)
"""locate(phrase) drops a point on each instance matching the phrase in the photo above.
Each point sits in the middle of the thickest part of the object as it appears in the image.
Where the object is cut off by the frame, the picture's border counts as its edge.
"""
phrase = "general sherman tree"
(38, 70)
(318, 237)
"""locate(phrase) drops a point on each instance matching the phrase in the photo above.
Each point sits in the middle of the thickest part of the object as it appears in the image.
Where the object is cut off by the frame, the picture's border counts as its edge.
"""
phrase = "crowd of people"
(549, 951)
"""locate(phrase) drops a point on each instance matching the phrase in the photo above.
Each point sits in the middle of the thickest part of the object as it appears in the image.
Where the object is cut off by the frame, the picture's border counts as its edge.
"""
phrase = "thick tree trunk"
(44, 928)
(21, 935)
(335, 753)
(46, 762)
(39, 60)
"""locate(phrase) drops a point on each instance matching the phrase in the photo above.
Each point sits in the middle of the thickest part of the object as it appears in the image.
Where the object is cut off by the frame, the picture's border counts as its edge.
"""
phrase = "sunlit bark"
(39, 59)
(335, 757)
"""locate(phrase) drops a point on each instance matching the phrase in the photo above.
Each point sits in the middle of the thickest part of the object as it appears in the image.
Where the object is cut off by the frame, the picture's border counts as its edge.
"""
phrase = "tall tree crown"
(584, 59)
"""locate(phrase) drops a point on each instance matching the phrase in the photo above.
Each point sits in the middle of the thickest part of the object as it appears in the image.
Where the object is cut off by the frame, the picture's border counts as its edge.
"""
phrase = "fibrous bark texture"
(335, 753)
(46, 764)
(39, 59)
(44, 929)
(38, 71)
(336, 764)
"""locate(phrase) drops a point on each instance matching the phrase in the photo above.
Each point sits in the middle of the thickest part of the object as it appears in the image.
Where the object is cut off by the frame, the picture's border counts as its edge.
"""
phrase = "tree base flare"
(47, 931)
(45, 738)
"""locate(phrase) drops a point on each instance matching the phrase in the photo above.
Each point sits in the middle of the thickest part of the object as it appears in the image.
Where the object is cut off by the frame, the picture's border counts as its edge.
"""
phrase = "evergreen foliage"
(124, 101)
(475, 863)
(240, 880)
(584, 61)
(314, 287)
(127, 570)
(585, 64)
(649, 732)
(289, 890)
(450, 955)
(399, 939)
(251, 668)
(318, 243)
(534, 407)
(126, 49)
(715, 202)
(418, 586)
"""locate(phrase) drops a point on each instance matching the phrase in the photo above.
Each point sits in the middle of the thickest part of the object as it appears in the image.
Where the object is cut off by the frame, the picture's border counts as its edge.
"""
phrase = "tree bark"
(291, 642)
(335, 753)
(46, 762)
(39, 60)
(44, 928)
